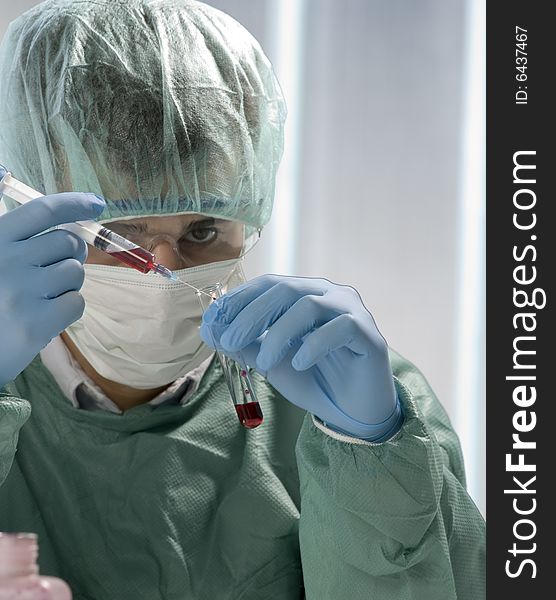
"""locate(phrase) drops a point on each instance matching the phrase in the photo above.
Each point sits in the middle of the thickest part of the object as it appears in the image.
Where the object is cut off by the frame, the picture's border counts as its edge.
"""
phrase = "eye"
(201, 234)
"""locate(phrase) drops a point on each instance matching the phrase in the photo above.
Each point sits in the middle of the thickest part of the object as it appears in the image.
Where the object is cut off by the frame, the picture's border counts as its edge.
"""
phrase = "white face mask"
(140, 330)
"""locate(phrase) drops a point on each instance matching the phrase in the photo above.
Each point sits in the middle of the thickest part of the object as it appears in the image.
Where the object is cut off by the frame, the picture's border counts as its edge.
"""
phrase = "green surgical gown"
(181, 502)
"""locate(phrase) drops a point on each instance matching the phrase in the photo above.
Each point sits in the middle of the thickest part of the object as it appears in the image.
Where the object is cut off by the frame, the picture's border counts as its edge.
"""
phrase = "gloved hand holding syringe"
(237, 376)
(91, 232)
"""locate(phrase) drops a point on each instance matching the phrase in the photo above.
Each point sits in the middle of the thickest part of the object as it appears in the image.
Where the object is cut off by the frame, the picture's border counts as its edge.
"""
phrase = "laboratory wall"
(370, 192)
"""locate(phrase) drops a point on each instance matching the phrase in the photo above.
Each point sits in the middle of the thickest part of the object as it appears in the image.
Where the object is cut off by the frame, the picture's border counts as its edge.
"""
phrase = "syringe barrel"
(21, 193)
(90, 231)
(16, 190)
(86, 230)
(99, 236)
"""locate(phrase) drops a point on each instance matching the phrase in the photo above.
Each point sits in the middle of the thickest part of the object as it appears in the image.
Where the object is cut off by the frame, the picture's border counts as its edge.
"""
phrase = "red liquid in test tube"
(250, 415)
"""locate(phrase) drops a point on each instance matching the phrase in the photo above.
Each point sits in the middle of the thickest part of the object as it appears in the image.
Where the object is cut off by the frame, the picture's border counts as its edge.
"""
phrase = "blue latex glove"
(40, 276)
(317, 344)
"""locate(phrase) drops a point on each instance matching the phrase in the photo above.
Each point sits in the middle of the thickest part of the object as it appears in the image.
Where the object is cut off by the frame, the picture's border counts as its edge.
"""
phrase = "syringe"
(91, 232)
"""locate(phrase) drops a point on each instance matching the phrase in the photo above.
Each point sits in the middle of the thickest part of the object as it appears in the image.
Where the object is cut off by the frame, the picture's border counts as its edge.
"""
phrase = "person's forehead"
(164, 222)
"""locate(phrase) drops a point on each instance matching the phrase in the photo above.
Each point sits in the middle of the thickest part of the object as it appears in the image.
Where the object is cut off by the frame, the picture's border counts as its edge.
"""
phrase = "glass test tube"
(237, 376)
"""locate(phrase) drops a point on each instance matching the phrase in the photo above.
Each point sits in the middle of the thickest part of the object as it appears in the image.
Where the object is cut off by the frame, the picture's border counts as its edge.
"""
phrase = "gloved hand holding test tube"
(237, 376)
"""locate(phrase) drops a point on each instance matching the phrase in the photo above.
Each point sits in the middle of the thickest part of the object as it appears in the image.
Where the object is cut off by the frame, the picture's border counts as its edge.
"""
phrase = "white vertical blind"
(470, 328)
(285, 30)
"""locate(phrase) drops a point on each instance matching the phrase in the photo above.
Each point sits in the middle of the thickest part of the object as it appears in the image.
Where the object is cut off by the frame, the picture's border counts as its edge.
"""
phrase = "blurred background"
(382, 182)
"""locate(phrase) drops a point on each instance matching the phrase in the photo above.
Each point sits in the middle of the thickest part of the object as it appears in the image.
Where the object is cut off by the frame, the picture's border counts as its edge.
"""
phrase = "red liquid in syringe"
(138, 258)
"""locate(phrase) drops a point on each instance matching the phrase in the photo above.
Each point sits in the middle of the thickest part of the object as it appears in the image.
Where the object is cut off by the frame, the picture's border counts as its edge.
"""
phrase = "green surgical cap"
(162, 107)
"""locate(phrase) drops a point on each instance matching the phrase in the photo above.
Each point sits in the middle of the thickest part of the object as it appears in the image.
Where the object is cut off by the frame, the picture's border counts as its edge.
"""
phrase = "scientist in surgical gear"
(118, 442)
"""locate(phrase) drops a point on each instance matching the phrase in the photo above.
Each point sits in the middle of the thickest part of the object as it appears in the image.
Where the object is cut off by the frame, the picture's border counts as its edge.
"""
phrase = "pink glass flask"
(19, 572)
